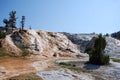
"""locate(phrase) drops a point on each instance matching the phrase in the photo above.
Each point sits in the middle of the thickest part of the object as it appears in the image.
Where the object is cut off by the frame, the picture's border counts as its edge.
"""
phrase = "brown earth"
(10, 67)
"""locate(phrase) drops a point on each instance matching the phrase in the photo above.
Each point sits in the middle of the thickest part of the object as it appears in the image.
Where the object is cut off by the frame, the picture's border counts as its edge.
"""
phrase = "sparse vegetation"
(107, 35)
(115, 60)
(116, 35)
(96, 54)
(2, 34)
(23, 22)
(6, 22)
(0, 44)
(65, 64)
(72, 66)
(12, 20)
(4, 54)
(25, 53)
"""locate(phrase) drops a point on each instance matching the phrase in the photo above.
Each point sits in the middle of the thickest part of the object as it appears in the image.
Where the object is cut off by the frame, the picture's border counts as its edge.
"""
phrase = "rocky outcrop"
(8, 46)
(81, 40)
(113, 47)
(84, 41)
(43, 43)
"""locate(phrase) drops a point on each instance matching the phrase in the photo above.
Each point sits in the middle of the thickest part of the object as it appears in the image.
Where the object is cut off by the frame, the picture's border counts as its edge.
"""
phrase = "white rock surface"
(63, 75)
(44, 43)
(9, 46)
(82, 40)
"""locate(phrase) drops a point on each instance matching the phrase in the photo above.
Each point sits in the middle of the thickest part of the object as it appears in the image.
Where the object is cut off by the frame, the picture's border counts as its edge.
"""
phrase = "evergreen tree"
(6, 24)
(12, 19)
(23, 22)
(116, 35)
(96, 54)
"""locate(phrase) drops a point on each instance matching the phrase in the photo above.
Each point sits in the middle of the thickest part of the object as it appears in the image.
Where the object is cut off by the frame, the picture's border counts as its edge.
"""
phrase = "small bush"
(2, 34)
(63, 63)
(105, 59)
(25, 53)
(96, 55)
(4, 54)
(0, 44)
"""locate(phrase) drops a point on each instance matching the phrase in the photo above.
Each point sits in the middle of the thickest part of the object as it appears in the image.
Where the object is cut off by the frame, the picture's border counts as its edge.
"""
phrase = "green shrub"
(63, 63)
(4, 54)
(96, 55)
(25, 53)
(0, 44)
(2, 34)
(105, 59)
(116, 35)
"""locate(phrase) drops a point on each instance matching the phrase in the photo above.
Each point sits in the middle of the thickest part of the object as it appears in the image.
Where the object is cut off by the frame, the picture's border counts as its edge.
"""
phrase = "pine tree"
(96, 54)
(12, 19)
(6, 24)
(23, 22)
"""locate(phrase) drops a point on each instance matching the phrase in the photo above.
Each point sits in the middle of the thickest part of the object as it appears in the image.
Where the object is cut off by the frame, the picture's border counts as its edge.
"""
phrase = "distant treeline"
(116, 35)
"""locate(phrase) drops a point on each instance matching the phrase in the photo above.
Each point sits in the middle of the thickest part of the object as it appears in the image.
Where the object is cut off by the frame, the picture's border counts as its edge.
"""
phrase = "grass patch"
(65, 64)
(25, 53)
(71, 66)
(74, 68)
(115, 60)
(68, 65)
(4, 54)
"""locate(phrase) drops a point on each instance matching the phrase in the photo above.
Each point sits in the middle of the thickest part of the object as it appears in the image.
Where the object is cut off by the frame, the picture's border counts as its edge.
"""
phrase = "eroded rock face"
(113, 47)
(55, 44)
(81, 40)
(8, 46)
(84, 41)
(43, 43)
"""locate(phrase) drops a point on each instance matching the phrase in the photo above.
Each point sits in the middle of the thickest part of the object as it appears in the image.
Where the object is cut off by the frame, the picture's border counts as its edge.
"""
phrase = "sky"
(74, 16)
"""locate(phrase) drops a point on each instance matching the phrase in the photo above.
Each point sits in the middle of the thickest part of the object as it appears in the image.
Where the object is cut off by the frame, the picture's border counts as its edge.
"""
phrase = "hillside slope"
(41, 43)
(84, 40)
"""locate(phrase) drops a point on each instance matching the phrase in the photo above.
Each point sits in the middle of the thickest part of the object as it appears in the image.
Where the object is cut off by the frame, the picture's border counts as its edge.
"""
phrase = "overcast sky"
(75, 16)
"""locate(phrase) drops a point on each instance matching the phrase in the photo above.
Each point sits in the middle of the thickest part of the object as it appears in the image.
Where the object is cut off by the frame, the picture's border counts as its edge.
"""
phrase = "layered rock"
(84, 41)
(41, 42)
(81, 40)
